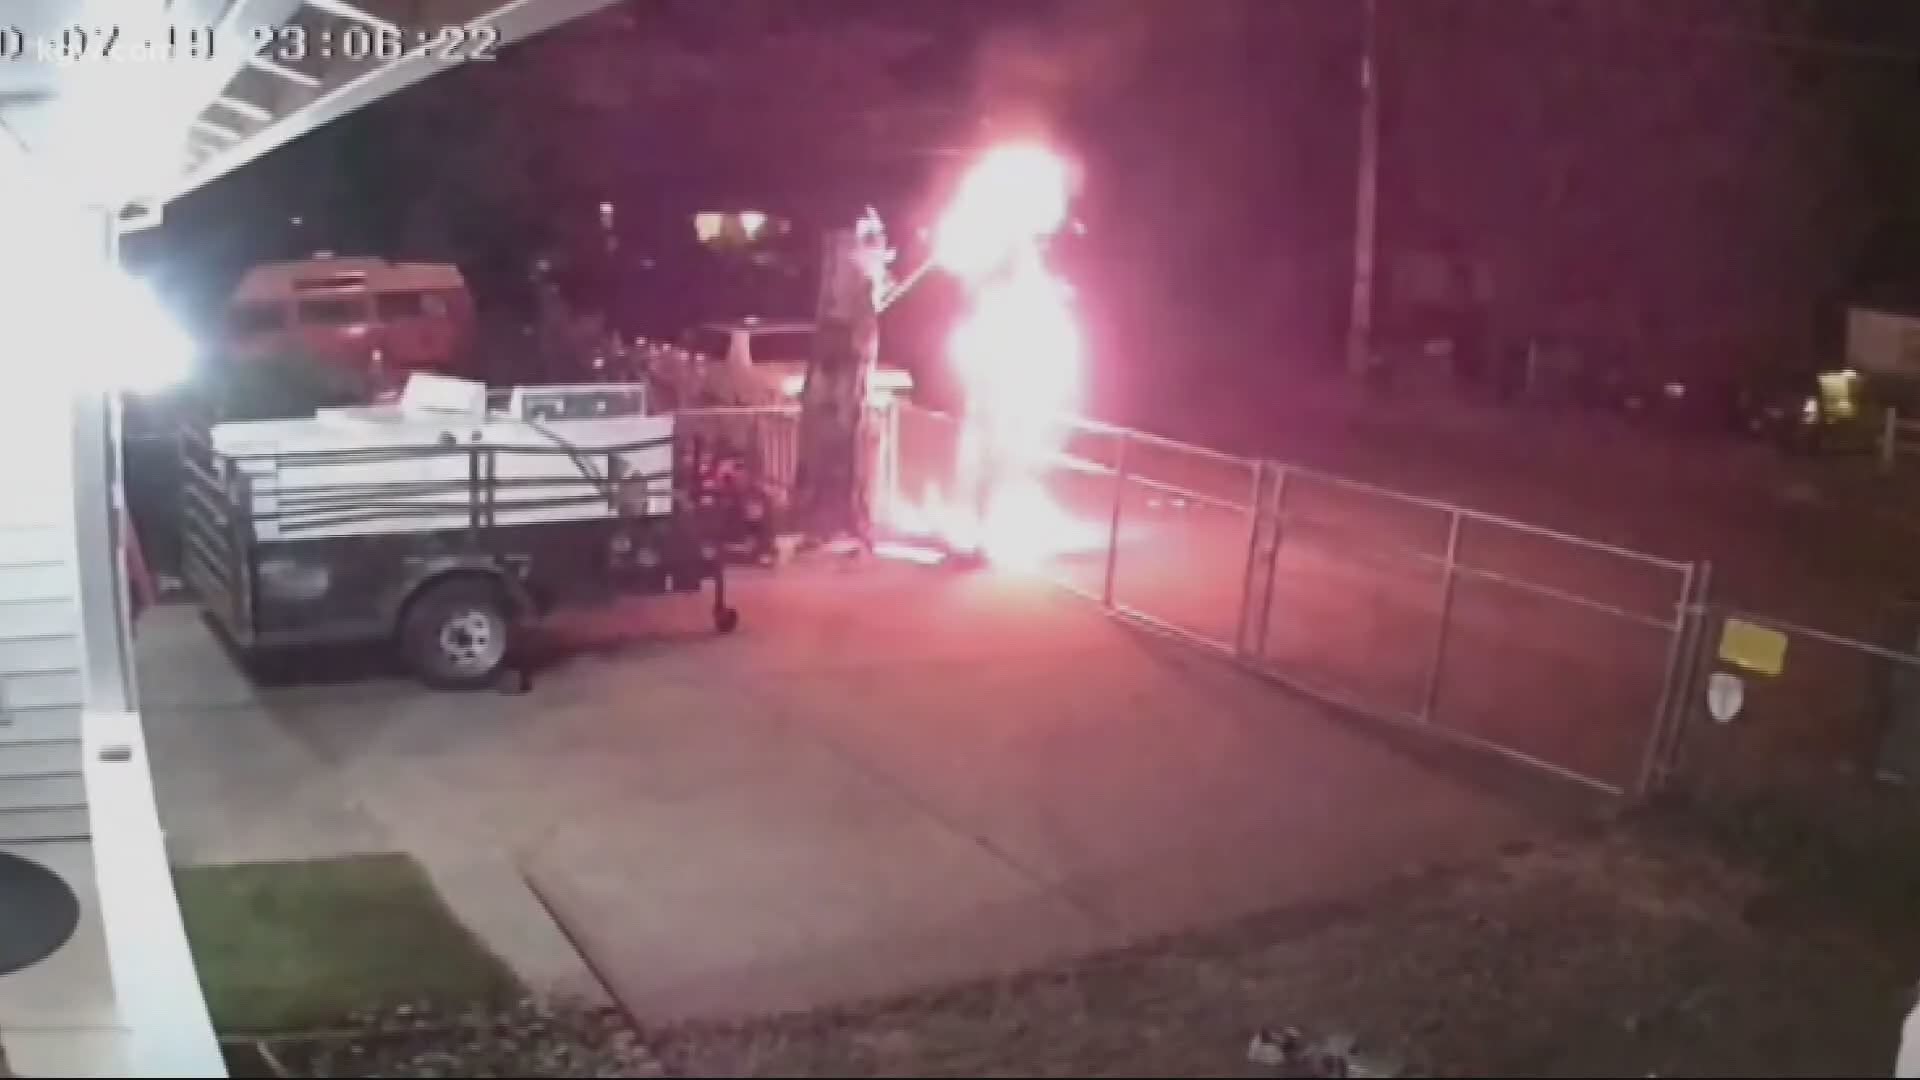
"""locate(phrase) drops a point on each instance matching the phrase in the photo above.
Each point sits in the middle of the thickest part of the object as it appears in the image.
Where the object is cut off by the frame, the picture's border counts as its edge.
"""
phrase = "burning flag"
(1011, 200)
(1018, 354)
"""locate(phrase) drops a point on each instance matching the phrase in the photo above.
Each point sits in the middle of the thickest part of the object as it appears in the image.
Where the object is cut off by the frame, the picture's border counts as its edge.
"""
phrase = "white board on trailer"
(296, 496)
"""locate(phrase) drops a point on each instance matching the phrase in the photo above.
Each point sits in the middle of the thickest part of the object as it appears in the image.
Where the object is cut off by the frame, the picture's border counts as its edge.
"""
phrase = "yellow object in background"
(1757, 648)
(1840, 394)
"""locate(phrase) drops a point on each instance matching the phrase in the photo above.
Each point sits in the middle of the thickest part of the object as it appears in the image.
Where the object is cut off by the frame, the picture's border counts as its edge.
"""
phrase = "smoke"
(1029, 76)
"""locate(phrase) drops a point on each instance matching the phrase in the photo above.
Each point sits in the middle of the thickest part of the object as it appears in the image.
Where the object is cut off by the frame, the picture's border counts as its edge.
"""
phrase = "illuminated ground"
(891, 777)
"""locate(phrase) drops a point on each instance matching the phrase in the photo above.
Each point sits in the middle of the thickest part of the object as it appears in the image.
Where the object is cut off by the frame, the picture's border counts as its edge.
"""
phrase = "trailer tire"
(456, 634)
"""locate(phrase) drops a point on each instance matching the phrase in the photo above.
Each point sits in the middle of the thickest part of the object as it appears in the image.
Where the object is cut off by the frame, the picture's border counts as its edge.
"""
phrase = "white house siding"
(42, 795)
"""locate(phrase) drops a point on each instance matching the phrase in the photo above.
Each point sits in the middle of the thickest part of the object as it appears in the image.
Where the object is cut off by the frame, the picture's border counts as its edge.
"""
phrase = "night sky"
(1693, 183)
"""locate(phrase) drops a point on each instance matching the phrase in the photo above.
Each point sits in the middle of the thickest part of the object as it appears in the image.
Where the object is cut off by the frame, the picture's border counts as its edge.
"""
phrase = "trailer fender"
(425, 573)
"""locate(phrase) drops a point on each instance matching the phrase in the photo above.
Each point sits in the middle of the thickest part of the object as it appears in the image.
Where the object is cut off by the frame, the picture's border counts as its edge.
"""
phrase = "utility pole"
(829, 501)
(1366, 199)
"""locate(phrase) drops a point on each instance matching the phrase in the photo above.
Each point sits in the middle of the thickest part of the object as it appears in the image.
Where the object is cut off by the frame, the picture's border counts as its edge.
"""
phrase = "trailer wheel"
(456, 634)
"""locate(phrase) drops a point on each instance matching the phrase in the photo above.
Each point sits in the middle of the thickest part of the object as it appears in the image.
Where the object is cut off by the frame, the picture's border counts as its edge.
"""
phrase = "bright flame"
(1019, 526)
(1018, 352)
(75, 320)
(1012, 197)
(1024, 526)
(913, 553)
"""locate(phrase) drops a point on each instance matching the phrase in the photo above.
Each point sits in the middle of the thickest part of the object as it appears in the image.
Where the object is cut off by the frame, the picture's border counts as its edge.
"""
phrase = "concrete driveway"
(891, 776)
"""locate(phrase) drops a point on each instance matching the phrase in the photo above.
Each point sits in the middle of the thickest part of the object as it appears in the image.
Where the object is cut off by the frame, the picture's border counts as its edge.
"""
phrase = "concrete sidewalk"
(239, 780)
(890, 777)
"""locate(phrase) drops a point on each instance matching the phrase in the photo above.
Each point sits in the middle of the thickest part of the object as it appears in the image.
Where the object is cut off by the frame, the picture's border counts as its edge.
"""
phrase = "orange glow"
(913, 553)
(932, 516)
(1018, 352)
(1025, 526)
(1012, 197)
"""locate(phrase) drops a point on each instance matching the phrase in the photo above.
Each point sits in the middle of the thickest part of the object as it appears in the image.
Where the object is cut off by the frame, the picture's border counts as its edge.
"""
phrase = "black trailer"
(447, 551)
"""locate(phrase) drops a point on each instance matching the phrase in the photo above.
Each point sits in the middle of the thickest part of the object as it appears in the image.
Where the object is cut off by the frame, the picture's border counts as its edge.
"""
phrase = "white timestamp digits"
(106, 43)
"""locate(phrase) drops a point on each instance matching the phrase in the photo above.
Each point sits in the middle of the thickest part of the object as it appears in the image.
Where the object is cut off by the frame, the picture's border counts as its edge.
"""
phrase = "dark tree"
(1662, 178)
(830, 497)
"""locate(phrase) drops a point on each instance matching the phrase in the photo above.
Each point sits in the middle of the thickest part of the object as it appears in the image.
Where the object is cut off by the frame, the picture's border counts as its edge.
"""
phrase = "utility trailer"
(441, 522)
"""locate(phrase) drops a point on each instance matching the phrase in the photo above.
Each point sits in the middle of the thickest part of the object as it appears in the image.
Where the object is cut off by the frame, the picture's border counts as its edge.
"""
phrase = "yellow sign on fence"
(1759, 649)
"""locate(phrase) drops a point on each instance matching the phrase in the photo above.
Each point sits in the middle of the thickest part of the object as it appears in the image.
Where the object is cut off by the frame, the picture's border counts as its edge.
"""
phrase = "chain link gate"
(1553, 650)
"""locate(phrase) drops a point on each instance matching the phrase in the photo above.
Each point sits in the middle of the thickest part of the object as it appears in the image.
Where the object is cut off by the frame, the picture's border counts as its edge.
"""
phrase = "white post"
(1907, 1063)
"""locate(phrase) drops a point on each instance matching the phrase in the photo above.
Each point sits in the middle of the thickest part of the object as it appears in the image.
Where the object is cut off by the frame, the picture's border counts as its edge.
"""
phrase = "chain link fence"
(1554, 650)
(1771, 707)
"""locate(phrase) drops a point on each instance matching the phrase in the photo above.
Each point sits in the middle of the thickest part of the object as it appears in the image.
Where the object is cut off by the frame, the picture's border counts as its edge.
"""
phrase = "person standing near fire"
(1017, 350)
(1018, 356)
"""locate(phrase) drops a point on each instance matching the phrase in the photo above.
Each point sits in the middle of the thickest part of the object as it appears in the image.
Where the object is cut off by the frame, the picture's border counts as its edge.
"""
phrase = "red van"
(384, 318)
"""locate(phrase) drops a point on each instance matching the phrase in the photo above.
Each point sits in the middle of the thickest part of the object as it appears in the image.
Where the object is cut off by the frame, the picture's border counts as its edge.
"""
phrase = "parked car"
(777, 351)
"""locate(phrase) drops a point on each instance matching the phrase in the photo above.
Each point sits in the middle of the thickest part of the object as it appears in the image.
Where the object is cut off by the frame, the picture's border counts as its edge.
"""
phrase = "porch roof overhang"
(133, 103)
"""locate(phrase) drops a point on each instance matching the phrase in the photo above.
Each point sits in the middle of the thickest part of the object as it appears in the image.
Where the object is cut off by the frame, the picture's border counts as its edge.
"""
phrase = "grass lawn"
(295, 946)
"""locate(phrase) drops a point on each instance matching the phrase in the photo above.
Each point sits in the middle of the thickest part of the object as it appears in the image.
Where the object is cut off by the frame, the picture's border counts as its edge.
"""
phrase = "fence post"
(1670, 731)
(892, 457)
(784, 445)
(1889, 437)
(1264, 621)
(1432, 689)
(1255, 518)
(1113, 524)
(880, 477)
(1670, 676)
